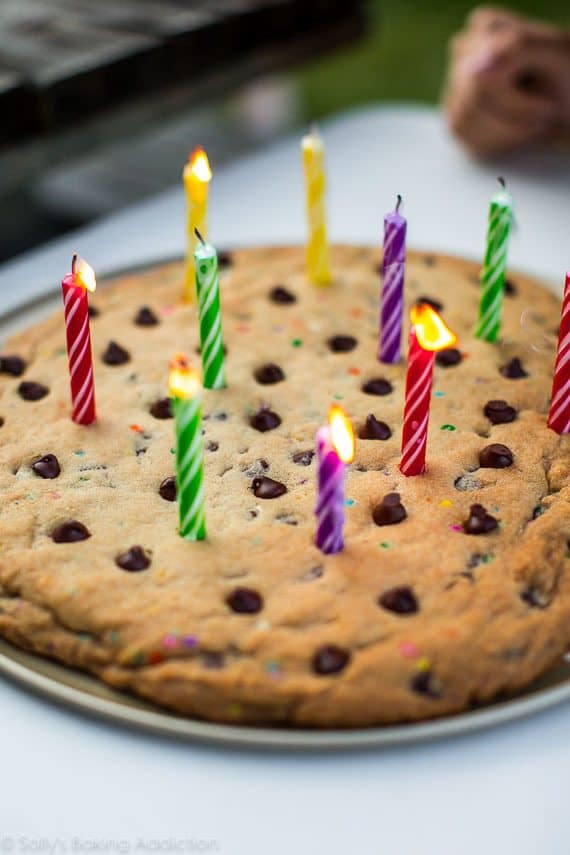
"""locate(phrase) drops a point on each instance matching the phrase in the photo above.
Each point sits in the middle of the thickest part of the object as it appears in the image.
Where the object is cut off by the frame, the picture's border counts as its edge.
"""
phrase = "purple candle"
(392, 299)
(335, 448)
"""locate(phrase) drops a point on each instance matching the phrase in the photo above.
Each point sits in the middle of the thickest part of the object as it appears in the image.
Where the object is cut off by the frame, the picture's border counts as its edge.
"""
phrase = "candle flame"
(342, 434)
(200, 165)
(85, 276)
(431, 330)
(183, 380)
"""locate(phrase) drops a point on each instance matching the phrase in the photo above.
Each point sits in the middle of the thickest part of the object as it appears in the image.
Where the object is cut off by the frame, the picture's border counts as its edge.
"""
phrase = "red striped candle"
(559, 416)
(428, 334)
(75, 287)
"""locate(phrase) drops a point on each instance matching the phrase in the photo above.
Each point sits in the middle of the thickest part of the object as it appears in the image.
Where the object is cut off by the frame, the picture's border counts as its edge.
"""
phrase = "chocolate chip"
(225, 259)
(212, 659)
(513, 369)
(162, 409)
(535, 598)
(390, 510)
(377, 386)
(303, 458)
(330, 659)
(448, 357)
(499, 412)
(2, 422)
(266, 488)
(146, 317)
(281, 295)
(342, 343)
(167, 489)
(435, 304)
(268, 374)
(115, 354)
(133, 559)
(70, 532)
(479, 521)
(424, 683)
(373, 429)
(400, 600)
(12, 365)
(212, 446)
(495, 456)
(93, 311)
(511, 289)
(245, 601)
(430, 261)
(47, 466)
(265, 420)
(30, 391)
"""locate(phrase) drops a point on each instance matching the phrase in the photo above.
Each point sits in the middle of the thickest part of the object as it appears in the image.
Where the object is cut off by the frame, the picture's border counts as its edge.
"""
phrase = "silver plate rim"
(29, 675)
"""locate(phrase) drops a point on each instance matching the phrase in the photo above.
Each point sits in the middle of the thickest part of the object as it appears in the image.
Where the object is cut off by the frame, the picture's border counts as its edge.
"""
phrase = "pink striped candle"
(75, 287)
(392, 298)
(428, 334)
(559, 416)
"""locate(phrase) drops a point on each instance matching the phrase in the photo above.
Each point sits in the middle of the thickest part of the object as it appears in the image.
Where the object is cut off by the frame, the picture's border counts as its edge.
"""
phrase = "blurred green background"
(404, 55)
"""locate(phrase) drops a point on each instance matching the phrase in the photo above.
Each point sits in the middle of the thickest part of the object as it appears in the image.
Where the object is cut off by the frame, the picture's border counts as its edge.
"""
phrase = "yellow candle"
(318, 267)
(197, 175)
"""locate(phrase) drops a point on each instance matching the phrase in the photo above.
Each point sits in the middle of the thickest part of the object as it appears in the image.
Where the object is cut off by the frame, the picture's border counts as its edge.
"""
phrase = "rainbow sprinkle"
(409, 650)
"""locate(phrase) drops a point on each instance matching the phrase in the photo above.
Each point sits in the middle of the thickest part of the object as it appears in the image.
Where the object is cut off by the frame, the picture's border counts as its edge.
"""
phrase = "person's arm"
(508, 82)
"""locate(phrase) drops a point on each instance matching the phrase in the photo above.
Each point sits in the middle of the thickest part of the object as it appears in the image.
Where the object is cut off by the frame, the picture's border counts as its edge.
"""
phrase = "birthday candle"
(184, 385)
(197, 176)
(335, 448)
(75, 287)
(208, 289)
(392, 299)
(559, 416)
(494, 267)
(318, 267)
(428, 334)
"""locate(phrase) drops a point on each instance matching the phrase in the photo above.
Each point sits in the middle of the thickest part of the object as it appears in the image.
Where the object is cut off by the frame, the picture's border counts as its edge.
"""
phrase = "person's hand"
(508, 83)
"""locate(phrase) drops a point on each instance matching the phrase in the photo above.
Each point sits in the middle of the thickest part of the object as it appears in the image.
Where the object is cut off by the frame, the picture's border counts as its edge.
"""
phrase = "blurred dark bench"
(62, 61)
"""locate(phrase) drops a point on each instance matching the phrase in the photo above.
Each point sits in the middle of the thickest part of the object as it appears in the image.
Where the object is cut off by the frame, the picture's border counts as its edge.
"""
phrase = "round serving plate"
(84, 693)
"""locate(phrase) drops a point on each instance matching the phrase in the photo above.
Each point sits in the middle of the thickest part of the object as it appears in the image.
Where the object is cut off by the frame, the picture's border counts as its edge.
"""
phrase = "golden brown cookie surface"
(414, 618)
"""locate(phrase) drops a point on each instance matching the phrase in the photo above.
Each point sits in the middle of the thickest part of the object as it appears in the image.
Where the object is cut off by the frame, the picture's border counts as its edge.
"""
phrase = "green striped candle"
(208, 288)
(494, 267)
(184, 384)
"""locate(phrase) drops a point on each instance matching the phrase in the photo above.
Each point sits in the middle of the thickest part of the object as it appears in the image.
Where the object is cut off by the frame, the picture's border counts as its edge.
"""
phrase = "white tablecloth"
(73, 784)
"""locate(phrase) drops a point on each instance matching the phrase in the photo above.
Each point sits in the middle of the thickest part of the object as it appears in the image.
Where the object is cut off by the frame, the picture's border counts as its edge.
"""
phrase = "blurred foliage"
(403, 56)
